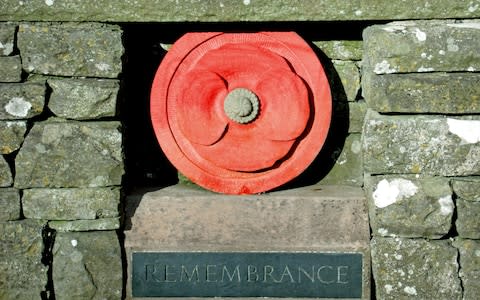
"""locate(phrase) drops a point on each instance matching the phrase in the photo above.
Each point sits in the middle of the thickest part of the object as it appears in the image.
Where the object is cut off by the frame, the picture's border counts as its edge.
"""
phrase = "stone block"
(10, 204)
(467, 190)
(422, 46)
(409, 206)
(85, 225)
(356, 111)
(450, 93)
(432, 145)
(12, 134)
(341, 50)
(349, 79)
(71, 49)
(70, 154)
(240, 11)
(415, 269)
(469, 267)
(71, 203)
(6, 178)
(7, 38)
(83, 98)
(23, 276)
(10, 69)
(87, 265)
(348, 168)
(21, 100)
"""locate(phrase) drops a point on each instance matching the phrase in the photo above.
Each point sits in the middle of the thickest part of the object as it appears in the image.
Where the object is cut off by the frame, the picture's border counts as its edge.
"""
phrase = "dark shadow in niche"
(146, 165)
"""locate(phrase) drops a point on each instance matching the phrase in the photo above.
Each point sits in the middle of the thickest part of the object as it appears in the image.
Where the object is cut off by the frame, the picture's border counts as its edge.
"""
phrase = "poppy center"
(241, 105)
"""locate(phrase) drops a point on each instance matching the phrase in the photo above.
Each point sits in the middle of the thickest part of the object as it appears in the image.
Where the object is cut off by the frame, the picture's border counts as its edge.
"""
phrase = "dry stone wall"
(61, 166)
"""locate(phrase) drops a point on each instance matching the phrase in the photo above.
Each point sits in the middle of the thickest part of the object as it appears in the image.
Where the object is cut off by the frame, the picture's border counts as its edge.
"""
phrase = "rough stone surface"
(467, 188)
(83, 98)
(11, 135)
(422, 46)
(432, 145)
(7, 38)
(469, 267)
(468, 206)
(71, 203)
(70, 154)
(246, 10)
(88, 49)
(87, 265)
(10, 204)
(407, 206)
(5, 173)
(21, 100)
(85, 225)
(348, 168)
(356, 112)
(415, 269)
(22, 274)
(341, 50)
(452, 93)
(10, 69)
(349, 76)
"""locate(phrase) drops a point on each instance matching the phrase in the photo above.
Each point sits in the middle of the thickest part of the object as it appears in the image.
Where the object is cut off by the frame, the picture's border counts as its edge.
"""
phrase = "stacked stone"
(421, 145)
(61, 165)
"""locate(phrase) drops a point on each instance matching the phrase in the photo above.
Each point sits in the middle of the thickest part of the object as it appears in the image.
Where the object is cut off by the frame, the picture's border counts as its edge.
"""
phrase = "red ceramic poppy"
(241, 113)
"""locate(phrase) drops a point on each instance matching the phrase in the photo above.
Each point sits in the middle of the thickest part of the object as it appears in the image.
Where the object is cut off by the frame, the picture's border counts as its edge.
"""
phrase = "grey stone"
(83, 98)
(7, 38)
(87, 265)
(258, 10)
(417, 144)
(467, 188)
(70, 154)
(348, 168)
(10, 204)
(71, 203)
(23, 276)
(87, 49)
(5, 173)
(469, 267)
(10, 69)
(85, 225)
(406, 206)
(21, 100)
(422, 46)
(357, 111)
(11, 135)
(349, 76)
(468, 222)
(342, 49)
(452, 93)
(415, 269)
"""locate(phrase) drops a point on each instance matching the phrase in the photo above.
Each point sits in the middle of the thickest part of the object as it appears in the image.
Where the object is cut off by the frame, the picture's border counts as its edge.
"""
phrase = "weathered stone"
(87, 265)
(83, 98)
(454, 93)
(408, 206)
(356, 111)
(422, 46)
(85, 225)
(468, 222)
(348, 168)
(467, 188)
(259, 10)
(5, 173)
(70, 154)
(88, 49)
(10, 204)
(11, 135)
(469, 267)
(341, 50)
(421, 144)
(23, 276)
(10, 69)
(411, 268)
(7, 38)
(71, 203)
(349, 76)
(21, 100)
